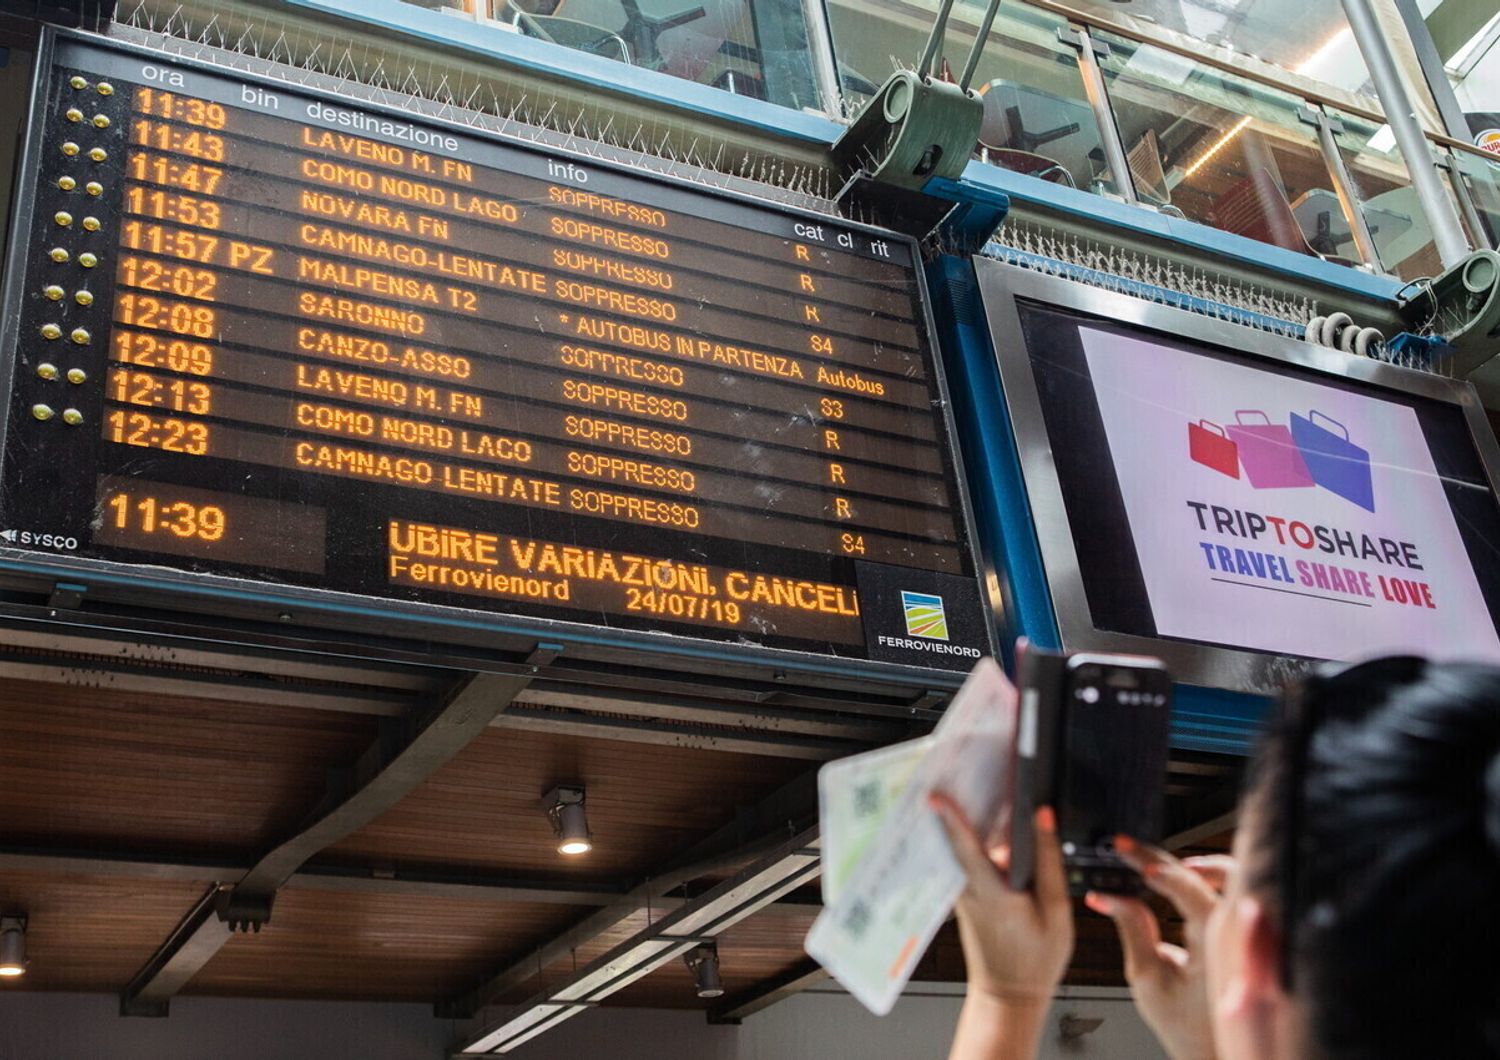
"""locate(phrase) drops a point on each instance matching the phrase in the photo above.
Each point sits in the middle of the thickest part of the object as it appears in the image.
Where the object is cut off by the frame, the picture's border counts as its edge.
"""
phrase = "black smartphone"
(1091, 741)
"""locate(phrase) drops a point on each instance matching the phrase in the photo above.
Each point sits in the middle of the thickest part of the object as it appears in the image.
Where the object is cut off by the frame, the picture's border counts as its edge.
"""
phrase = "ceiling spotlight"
(12, 946)
(565, 810)
(703, 961)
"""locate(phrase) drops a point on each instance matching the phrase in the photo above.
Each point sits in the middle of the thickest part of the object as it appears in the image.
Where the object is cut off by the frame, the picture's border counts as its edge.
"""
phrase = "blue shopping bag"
(1336, 463)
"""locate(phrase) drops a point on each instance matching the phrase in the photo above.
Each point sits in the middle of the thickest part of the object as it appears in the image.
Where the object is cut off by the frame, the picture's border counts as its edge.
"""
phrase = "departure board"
(299, 340)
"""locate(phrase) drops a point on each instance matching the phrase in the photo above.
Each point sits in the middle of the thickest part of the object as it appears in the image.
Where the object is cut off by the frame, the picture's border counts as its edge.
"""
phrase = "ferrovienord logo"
(925, 616)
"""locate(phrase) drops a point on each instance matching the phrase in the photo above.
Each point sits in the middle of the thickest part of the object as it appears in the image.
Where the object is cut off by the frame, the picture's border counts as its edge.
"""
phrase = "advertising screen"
(301, 341)
(1224, 499)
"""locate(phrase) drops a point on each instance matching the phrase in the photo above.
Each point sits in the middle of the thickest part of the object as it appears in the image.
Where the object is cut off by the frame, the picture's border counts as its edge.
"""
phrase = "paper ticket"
(904, 884)
(855, 797)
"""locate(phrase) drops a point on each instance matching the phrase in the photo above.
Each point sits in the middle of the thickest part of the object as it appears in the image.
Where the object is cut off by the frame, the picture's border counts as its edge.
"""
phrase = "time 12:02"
(157, 515)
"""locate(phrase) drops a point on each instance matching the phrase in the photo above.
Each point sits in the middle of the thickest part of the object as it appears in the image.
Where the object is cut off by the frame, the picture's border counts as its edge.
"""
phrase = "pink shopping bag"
(1268, 454)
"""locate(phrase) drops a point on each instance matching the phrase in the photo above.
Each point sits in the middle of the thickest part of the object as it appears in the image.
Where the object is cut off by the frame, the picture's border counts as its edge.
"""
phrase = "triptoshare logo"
(1273, 456)
(925, 616)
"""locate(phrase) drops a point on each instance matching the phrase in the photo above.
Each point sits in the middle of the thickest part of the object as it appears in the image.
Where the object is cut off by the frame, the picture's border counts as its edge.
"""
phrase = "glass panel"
(1308, 37)
(1037, 116)
(1382, 183)
(1223, 151)
(1481, 178)
(752, 48)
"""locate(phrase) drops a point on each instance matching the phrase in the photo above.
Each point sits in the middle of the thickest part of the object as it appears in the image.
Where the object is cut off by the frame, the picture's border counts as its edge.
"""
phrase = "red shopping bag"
(1210, 446)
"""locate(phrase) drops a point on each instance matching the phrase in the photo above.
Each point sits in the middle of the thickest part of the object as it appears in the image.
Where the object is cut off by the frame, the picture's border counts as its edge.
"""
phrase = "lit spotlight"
(12, 946)
(569, 823)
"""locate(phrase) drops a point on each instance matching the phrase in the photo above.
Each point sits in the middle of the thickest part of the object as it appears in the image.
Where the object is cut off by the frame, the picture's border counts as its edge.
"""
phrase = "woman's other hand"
(1168, 982)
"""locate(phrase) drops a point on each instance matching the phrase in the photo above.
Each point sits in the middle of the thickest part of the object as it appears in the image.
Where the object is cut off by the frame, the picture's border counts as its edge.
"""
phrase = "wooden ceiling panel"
(375, 947)
(90, 934)
(89, 767)
(646, 804)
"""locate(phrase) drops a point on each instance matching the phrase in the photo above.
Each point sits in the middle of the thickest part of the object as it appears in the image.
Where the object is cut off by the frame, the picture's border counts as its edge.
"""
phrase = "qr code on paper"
(857, 919)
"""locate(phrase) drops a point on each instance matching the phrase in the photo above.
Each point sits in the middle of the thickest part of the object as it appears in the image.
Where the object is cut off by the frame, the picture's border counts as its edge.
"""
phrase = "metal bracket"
(242, 911)
(918, 126)
(1463, 304)
(929, 700)
(915, 128)
(1319, 118)
(67, 596)
(1074, 39)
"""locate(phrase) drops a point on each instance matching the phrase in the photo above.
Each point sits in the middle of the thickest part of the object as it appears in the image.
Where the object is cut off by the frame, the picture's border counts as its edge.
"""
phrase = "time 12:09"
(156, 515)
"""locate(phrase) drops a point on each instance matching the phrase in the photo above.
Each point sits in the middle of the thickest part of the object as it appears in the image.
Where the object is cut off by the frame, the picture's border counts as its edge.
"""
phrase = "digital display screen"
(296, 339)
(1225, 500)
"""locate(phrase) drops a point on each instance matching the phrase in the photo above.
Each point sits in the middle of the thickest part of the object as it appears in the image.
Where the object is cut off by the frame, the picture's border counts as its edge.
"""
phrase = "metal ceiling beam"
(368, 658)
(789, 866)
(246, 674)
(231, 688)
(463, 886)
(401, 757)
(729, 734)
(695, 709)
(804, 974)
(668, 734)
(165, 650)
(756, 830)
(459, 885)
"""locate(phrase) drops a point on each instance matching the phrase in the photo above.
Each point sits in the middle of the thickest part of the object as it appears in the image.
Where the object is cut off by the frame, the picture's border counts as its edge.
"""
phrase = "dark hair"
(1378, 793)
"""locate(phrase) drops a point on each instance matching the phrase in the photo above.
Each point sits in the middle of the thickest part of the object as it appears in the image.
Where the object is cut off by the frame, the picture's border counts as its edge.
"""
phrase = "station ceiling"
(136, 776)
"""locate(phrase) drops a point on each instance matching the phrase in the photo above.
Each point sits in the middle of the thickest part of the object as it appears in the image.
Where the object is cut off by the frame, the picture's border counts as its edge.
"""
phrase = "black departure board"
(301, 341)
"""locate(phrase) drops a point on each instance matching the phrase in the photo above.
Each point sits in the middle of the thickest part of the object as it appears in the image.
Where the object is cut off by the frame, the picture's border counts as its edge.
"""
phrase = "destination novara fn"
(355, 329)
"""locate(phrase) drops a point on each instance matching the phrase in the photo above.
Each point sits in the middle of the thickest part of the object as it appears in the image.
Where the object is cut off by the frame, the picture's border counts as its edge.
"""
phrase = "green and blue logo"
(925, 616)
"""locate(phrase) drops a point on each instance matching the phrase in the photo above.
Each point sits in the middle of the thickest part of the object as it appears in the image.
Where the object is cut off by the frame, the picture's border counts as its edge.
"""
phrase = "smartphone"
(1091, 741)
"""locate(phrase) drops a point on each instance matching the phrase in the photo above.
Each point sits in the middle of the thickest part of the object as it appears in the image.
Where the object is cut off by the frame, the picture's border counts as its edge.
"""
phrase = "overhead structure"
(406, 754)
(456, 487)
(792, 865)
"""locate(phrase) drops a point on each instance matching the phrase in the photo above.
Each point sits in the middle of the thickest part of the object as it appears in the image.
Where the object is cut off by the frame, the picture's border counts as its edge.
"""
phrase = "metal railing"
(1442, 201)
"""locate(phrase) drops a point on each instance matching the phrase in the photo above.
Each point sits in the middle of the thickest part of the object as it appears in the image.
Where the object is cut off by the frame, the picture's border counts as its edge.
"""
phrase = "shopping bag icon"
(1336, 463)
(1270, 457)
(1210, 446)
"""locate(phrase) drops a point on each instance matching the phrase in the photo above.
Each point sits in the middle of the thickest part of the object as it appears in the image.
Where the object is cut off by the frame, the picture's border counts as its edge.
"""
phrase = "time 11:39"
(158, 515)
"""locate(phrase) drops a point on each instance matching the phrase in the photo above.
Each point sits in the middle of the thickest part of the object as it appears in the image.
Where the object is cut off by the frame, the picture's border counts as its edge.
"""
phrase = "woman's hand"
(1016, 943)
(1169, 983)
